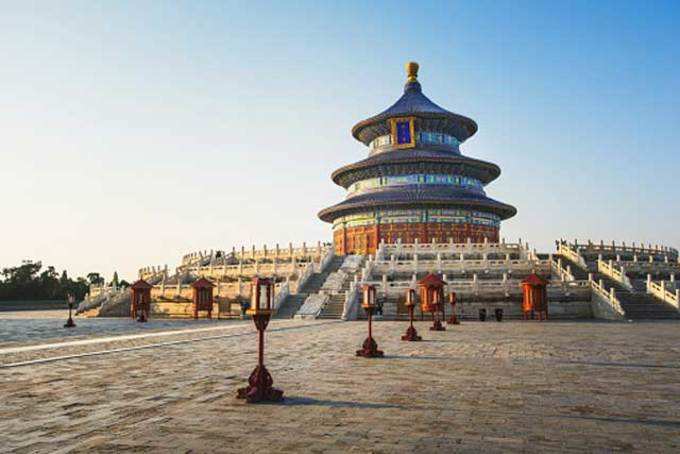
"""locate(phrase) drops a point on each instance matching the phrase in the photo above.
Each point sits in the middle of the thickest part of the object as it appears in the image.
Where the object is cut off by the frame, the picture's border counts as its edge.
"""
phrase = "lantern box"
(261, 297)
(368, 296)
(410, 298)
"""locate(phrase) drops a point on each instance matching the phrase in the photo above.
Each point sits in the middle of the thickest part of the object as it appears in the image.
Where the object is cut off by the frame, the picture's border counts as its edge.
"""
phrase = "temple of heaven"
(415, 184)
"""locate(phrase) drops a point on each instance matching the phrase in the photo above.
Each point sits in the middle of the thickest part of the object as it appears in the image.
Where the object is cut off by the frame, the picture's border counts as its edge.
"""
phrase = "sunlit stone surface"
(495, 387)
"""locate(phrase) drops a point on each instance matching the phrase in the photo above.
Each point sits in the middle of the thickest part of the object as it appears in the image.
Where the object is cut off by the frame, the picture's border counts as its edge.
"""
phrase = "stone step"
(636, 303)
(291, 305)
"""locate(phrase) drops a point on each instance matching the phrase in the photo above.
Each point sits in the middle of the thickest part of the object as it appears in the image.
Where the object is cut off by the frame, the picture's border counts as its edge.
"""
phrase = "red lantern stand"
(411, 333)
(432, 299)
(140, 300)
(453, 320)
(203, 296)
(535, 297)
(369, 348)
(260, 382)
(71, 300)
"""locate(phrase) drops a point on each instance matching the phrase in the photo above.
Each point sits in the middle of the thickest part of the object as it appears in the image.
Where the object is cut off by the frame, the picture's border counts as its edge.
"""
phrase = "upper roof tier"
(414, 103)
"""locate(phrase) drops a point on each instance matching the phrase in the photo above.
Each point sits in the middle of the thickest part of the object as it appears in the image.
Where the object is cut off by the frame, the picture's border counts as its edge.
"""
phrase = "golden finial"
(412, 71)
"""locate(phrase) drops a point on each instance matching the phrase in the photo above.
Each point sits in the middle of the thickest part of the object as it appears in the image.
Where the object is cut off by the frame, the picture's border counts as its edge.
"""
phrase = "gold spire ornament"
(412, 71)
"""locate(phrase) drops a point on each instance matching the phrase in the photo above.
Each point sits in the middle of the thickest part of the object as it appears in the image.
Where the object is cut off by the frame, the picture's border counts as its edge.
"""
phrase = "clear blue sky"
(133, 132)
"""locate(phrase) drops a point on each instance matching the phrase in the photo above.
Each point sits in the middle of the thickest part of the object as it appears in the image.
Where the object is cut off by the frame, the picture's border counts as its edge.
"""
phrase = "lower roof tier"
(401, 162)
(418, 196)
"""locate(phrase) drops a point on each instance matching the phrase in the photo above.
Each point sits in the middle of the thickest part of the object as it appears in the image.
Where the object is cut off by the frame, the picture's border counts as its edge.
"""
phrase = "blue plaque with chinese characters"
(403, 132)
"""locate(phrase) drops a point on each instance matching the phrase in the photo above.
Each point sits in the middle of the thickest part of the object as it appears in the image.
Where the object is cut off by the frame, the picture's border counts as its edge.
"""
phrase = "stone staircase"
(293, 302)
(333, 309)
(636, 304)
(290, 305)
(336, 303)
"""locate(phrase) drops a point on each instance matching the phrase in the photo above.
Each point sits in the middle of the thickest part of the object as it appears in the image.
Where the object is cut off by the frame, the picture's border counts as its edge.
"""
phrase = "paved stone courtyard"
(491, 387)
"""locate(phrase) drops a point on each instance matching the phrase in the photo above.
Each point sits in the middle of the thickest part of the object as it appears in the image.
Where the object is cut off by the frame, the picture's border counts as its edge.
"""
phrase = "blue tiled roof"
(484, 171)
(418, 195)
(414, 102)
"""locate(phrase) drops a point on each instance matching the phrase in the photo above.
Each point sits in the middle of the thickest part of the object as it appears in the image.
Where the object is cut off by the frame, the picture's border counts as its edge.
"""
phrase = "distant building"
(415, 184)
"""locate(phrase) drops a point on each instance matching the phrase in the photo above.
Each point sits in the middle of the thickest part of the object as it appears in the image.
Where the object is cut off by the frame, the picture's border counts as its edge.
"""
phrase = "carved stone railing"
(265, 252)
(559, 269)
(622, 247)
(247, 269)
(385, 250)
(573, 255)
(280, 295)
(350, 309)
(352, 263)
(618, 274)
(605, 303)
(311, 268)
(379, 267)
(98, 295)
(307, 272)
(662, 291)
(212, 262)
(150, 272)
(312, 306)
(334, 282)
(645, 266)
(326, 259)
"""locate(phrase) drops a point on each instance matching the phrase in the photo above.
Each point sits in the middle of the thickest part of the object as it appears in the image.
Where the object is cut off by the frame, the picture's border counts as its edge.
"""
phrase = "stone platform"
(491, 387)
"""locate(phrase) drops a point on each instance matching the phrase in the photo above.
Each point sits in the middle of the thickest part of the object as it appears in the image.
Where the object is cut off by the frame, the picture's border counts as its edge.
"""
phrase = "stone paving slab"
(491, 387)
(37, 327)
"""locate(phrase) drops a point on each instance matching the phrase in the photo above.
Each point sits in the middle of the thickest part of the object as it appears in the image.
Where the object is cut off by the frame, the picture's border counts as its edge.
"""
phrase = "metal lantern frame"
(369, 348)
(70, 301)
(453, 299)
(410, 303)
(260, 382)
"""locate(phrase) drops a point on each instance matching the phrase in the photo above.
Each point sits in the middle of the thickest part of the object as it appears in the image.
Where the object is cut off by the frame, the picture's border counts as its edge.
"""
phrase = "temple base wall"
(365, 239)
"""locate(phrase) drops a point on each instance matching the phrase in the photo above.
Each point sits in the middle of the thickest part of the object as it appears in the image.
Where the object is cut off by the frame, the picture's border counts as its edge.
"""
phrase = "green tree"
(27, 282)
(95, 278)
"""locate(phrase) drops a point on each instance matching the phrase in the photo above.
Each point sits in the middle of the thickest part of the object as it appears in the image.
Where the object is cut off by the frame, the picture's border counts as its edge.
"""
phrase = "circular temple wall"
(365, 239)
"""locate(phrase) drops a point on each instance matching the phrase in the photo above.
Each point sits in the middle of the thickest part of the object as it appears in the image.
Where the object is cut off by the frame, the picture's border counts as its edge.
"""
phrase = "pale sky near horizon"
(134, 132)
